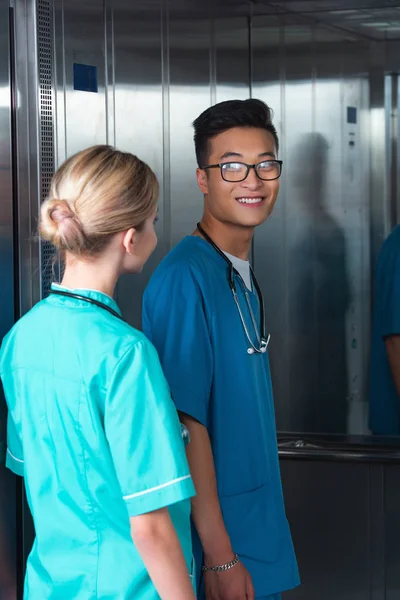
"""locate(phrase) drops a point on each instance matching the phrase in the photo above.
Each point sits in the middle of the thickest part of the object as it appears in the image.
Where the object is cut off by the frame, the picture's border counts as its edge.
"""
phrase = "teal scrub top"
(190, 316)
(93, 430)
(384, 407)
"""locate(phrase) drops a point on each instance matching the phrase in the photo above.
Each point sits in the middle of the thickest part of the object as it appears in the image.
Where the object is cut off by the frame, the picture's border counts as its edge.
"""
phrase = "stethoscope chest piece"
(263, 346)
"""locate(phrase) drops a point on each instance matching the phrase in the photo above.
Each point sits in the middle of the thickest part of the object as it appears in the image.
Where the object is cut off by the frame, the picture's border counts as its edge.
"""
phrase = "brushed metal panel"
(6, 201)
(312, 256)
(28, 151)
(282, 76)
(377, 532)
(137, 113)
(392, 531)
(189, 94)
(299, 106)
(379, 172)
(270, 239)
(327, 506)
(8, 534)
(82, 42)
(232, 58)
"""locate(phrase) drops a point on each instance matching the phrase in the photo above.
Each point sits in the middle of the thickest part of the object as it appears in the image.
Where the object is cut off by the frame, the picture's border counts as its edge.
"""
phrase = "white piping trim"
(158, 487)
(14, 457)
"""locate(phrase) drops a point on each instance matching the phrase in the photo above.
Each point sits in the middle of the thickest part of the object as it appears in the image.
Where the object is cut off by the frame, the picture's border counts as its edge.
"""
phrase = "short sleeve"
(174, 319)
(388, 286)
(14, 454)
(144, 434)
(9, 434)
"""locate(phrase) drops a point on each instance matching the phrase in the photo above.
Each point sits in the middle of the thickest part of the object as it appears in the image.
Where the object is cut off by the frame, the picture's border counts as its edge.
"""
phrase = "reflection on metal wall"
(7, 480)
(313, 254)
(156, 71)
(155, 74)
(147, 69)
(153, 68)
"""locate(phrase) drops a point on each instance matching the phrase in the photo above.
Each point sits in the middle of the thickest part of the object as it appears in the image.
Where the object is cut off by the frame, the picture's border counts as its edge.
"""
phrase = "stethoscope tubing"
(86, 299)
(261, 333)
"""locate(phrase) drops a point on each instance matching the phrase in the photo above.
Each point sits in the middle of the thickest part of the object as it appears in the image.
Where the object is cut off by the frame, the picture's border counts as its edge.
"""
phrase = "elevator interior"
(135, 75)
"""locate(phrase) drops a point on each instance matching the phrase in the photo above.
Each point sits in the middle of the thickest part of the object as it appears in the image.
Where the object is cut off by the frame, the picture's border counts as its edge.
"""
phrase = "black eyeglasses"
(267, 170)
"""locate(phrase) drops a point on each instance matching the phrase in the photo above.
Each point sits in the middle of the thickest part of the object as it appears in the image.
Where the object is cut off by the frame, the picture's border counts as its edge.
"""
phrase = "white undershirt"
(243, 268)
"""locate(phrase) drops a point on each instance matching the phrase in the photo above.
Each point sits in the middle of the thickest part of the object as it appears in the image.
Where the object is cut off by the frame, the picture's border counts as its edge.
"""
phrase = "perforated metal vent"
(45, 49)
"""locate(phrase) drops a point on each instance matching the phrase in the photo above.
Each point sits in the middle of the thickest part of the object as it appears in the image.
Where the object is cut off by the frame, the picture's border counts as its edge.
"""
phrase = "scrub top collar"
(215, 256)
(94, 294)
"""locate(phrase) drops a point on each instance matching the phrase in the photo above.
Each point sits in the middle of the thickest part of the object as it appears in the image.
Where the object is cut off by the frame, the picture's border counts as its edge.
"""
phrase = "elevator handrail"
(331, 449)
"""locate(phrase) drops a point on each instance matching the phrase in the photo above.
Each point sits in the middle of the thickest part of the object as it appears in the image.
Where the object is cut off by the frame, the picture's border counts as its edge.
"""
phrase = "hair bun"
(94, 195)
(60, 225)
(59, 210)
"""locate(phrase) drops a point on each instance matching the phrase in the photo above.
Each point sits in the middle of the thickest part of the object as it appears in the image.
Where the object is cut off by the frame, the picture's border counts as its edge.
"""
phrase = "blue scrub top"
(93, 430)
(190, 316)
(384, 408)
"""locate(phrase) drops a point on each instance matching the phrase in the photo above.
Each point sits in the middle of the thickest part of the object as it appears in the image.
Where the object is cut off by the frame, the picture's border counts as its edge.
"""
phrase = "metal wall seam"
(165, 84)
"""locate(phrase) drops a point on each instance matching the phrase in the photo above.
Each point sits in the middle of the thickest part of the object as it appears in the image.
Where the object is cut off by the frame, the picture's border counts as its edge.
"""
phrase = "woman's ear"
(129, 240)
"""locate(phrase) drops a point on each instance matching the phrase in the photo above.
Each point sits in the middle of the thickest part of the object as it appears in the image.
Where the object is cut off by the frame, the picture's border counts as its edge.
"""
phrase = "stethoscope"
(184, 430)
(262, 338)
(89, 300)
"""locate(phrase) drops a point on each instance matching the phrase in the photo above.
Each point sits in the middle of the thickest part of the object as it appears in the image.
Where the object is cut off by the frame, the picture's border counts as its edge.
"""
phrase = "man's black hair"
(226, 115)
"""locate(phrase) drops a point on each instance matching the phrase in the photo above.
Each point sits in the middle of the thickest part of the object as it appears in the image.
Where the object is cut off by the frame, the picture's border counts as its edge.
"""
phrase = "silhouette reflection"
(319, 300)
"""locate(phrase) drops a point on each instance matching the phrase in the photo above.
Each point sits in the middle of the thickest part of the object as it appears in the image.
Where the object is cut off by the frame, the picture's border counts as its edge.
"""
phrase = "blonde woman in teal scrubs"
(91, 424)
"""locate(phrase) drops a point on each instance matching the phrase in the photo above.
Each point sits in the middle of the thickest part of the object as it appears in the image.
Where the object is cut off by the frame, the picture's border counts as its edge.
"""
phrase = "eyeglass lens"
(237, 171)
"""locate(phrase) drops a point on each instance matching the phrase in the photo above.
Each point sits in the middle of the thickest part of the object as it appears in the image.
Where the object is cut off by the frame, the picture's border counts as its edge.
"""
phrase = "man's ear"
(202, 180)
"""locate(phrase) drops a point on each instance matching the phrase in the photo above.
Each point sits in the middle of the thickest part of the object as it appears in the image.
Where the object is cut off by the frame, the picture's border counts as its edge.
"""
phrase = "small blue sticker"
(351, 114)
(85, 78)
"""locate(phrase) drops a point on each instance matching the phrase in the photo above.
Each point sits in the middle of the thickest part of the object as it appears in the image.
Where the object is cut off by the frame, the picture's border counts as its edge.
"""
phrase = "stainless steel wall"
(158, 65)
(156, 73)
(8, 523)
(313, 255)
(158, 68)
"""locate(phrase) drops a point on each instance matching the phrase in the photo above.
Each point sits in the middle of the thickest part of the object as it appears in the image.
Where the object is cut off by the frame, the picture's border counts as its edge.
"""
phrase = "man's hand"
(234, 584)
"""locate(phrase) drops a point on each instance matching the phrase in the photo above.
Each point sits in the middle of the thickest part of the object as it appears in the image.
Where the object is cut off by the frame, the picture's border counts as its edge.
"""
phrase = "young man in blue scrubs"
(384, 413)
(203, 311)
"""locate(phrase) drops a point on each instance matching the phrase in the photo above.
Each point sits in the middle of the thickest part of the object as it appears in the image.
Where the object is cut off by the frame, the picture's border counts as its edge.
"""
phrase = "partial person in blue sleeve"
(91, 424)
(384, 408)
(203, 310)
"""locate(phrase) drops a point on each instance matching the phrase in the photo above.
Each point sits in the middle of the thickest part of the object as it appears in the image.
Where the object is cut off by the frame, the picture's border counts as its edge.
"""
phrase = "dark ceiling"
(373, 19)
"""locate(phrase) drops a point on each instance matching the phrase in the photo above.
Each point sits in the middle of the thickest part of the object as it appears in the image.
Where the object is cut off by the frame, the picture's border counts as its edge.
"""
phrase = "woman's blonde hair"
(95, 194)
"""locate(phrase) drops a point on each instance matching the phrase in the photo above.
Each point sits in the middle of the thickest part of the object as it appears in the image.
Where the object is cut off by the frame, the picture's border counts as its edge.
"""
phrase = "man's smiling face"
(247, 203)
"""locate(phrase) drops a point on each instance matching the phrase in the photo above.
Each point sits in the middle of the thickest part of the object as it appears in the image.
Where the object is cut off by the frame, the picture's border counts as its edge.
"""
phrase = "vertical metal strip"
(64, 80)
(398, 154)
(213, 61)
(46, 127)
(394, 128)
(15, 207)
(286, 219)
(114, 130)
(250, 85)
(250, 49)
(165, 82)
(376, 531)
(106, 62)
(109, 71)
(316, 380)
